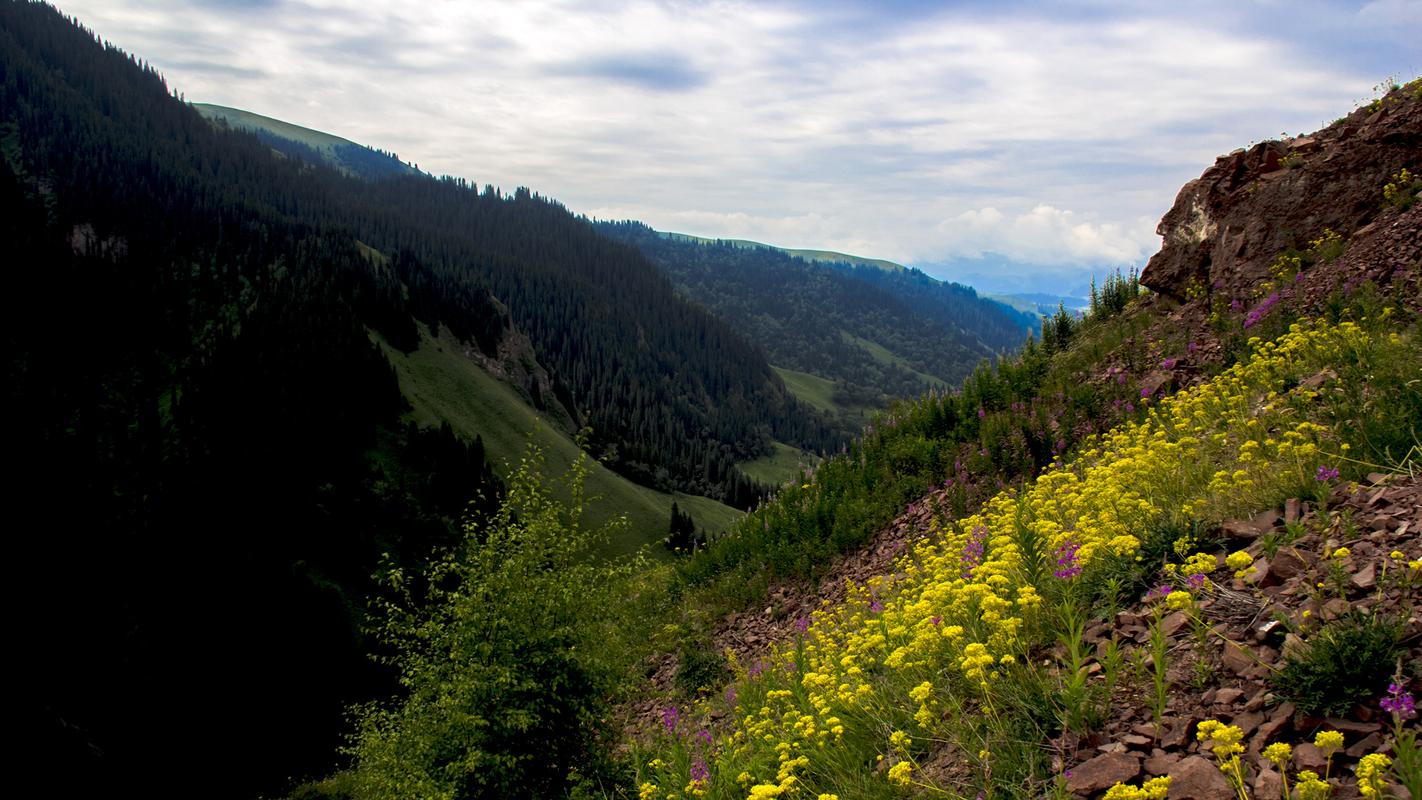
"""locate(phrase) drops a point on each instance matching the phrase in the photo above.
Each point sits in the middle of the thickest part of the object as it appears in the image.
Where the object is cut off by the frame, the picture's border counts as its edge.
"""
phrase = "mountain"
(826, 256)
(847, 332)
(309, 145)
(240, 386)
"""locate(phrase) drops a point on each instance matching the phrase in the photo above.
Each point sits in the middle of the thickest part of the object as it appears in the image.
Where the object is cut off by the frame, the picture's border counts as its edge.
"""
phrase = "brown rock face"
(1103, 772)
(1228, 225)
(1198, 779)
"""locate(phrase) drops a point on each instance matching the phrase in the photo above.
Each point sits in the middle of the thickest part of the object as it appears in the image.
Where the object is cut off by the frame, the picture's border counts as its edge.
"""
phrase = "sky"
(1014, 145)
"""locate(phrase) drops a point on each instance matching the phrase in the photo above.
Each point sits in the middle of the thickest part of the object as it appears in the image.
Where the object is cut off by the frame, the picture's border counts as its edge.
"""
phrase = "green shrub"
(1345, 663)
(700, 667)
(508, 648)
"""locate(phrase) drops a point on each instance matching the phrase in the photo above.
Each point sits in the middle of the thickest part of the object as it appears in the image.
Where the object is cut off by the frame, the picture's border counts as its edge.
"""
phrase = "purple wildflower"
(730, 695)
(936, 620)
(802, 624)
(699, 771)
(1130, 408)
(1191, 347)
(1261, 309)
(973, 551)
(1068, 566)
(1145, 391)
(756, 668)
(1398, 703)
(1160, 591)
(1325, 474)
(1196, 581)
(704, 735)
(1169, 363)
(670, 715)
(981, 412)
(876, 606)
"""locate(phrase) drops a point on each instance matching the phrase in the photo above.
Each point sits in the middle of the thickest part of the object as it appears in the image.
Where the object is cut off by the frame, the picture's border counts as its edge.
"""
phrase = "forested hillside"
(876, 333)
(212, 443)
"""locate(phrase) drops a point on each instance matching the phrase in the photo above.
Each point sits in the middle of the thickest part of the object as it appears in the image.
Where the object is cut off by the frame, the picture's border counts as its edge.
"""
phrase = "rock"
(1173, 623)
(1194, 778)
(1270, 728)
(1256, 701)
(1368, 744)
(1268, 785)
(1103, 772)
(1161, 762)
(1287, 563)
(1248, 721)
(1365, 578)
(1350, 726)
(1177, 731)
(1291, 510)
(1237, 659)
(1227, 696)
(1306, 756)
(1112, 747)
(1335, 608)
(1136, 741)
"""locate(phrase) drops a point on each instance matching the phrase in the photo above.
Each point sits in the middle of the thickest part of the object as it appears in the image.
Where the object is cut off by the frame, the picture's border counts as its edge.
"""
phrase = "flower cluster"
(960, 607)
(1398, 703)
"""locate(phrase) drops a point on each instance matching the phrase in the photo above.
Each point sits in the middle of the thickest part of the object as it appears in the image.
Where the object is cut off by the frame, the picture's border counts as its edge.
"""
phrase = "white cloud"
(1052, 137)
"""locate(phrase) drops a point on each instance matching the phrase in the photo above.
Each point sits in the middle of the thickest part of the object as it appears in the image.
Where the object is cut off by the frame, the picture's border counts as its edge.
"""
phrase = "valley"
(345, 480)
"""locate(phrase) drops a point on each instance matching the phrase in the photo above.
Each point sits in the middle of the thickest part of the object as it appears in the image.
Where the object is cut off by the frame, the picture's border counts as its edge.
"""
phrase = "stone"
(1136, 741)
(1248, 721)
(1368, 744)
(1237, 659)
(1227, 696)
(1350, 726)
(1177, 731)
(1365, 578)
(1173, 623)
(1257, 700)
(1270, 728)
(1292, 508)
(1335, 608)
(1161, 763)
(1287, 563)
(1103, 772)
(1194, 778)
(1306, 756)
(1268, 785)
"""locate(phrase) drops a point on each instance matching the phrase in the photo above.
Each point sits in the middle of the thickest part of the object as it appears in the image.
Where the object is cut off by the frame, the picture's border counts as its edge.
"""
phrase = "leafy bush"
(1345, 663)
(508, 650)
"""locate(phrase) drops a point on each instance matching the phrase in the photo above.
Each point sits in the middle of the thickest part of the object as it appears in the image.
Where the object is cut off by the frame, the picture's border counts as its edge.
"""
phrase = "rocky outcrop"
(1228, 226)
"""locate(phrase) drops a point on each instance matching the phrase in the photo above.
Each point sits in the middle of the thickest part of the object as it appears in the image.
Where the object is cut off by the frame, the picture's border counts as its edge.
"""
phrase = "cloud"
(918, 131)
(662, 71)
(1046, 235)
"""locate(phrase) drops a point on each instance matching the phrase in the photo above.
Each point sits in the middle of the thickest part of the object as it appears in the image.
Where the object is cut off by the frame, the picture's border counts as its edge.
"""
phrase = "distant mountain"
(870, 329)
(825, 256)
(309, 145)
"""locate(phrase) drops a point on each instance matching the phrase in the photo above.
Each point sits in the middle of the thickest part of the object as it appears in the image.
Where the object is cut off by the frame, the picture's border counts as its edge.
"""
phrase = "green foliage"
(507, 650)
(699, 666)
(1347, 662)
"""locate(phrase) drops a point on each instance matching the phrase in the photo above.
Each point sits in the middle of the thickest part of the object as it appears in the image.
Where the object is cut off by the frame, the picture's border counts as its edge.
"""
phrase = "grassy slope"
(884, 356)
(827, 256)
(780, 466)
(246, 120)
(442, 385)
(817, 391)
